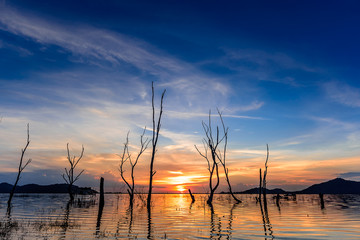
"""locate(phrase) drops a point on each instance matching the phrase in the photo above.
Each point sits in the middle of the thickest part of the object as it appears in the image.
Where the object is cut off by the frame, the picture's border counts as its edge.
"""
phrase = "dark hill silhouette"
(269, 191)
(5, 187)
(335, 186)
(54, 188)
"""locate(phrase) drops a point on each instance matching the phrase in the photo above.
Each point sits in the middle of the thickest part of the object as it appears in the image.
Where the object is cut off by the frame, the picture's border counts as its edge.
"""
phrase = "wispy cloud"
(343, 93)
(262, 58)
(200, 83)
(96, 44)
(189, 86)
(265, 65)
(21, 51)
(350, 175)
(188, 115)
(334, 122)
(255, 105)
(290, 143)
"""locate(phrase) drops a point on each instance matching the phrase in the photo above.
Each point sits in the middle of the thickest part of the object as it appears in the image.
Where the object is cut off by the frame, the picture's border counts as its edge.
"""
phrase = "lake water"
(173, 216)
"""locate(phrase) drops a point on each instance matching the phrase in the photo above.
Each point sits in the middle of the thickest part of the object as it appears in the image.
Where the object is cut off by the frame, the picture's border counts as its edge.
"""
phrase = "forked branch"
(211, 148)
(127, 156)
(20, 168)
(69, 176)
(155, 137)
(265, 171)
(222, 156)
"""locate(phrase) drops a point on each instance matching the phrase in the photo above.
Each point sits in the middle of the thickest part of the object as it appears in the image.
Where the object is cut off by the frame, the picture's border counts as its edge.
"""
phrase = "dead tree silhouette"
(70, 179)
(127, 156)
(20, 168)
(156, 130)
(266, 220)
(222, 157)
(265, 171)
(262, 184)
(211, 144)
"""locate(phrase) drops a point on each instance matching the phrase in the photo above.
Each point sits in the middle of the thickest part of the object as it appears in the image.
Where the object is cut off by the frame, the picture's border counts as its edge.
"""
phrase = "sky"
(283, 73)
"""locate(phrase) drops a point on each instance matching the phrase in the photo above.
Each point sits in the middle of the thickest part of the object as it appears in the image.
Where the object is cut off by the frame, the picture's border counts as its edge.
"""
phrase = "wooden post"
(322, 200)
(192, 196)
(101, 206)
(278, 200)
(101, 192)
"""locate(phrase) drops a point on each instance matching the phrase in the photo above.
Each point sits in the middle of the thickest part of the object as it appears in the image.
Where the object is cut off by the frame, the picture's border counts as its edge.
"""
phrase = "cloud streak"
(87, 41)
(343, 93)
(350, 175)
(109, 50)
(266, 66)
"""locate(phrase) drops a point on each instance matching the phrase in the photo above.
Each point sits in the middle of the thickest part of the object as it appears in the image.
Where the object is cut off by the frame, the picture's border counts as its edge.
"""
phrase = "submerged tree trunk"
(70, 191)
(260, 185)
(213, 189)
(20, 169)
(213, 145)
(191, 195)
(70, 179)
(126, 156)
(222, 158)
(156, 130)
(265, 171)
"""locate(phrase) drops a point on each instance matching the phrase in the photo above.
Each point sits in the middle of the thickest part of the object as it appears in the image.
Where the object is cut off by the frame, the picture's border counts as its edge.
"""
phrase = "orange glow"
(180, 188)
(189, 171)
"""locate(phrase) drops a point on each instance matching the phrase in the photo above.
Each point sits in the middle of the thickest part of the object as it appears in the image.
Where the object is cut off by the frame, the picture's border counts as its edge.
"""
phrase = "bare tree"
(262, 184)
(265, 171)
(222, 157)
(21, 167)
(211, 145)
(69, 177)
(156, 130)
(127, 156)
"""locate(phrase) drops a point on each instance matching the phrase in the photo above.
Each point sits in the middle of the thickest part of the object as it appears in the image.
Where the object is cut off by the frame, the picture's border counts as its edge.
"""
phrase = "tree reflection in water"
(65, 223)
(129, 212)
(7, 225)
(173, 216)
(149, 226)
(231, 219)
(266, 220)
(98, 220)
(215, 224)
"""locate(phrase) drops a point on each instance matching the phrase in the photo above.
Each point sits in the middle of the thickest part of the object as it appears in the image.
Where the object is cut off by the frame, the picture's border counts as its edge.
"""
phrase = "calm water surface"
(173, 216)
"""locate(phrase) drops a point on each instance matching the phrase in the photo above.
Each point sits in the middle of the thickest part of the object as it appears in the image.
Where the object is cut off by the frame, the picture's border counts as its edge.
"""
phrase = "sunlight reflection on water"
(173, 216)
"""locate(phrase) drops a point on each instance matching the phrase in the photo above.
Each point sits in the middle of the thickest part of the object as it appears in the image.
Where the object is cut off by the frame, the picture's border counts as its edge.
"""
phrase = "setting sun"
(180, 188)
(180, 183)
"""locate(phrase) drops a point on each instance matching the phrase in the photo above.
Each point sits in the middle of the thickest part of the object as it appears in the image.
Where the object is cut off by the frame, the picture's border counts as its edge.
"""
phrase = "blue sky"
(282, 72)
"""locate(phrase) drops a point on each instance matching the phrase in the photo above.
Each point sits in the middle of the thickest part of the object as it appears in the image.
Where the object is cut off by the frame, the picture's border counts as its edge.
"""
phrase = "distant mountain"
(269, 191)
(54, 188)
(335, 186)
(5, 187)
